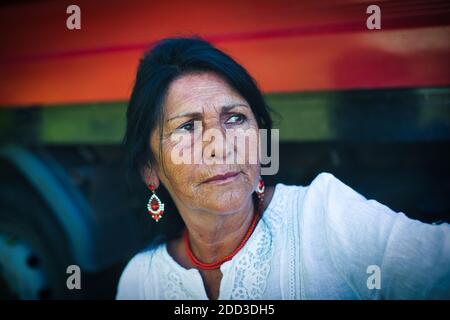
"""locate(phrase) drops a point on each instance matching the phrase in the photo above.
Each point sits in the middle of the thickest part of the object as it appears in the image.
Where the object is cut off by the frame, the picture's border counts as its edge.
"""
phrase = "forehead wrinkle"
(188, 94)
(192, 105)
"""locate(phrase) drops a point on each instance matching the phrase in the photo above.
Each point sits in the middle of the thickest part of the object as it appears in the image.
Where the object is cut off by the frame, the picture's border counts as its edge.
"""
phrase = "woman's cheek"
(180, 149)
(178, 171)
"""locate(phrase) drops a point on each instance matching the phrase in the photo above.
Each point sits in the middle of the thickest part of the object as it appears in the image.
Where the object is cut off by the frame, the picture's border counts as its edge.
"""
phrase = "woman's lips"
(222, 178)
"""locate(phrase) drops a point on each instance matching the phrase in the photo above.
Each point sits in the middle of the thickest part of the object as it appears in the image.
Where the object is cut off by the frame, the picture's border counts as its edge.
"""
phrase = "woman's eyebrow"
(186, 114)
(223, 109)
(229, 107)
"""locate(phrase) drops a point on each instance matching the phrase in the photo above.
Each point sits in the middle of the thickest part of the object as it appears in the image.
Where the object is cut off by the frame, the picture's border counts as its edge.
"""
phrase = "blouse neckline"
(224, 268)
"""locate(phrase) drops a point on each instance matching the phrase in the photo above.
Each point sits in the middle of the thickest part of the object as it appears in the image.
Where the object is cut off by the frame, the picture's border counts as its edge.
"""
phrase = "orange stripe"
(285, 45)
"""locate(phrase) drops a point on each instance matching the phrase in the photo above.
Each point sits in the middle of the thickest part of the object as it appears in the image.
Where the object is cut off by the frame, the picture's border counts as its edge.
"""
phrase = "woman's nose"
(216, 146)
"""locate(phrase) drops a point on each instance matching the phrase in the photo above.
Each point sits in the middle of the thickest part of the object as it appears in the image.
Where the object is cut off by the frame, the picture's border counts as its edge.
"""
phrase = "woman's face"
(218, 110)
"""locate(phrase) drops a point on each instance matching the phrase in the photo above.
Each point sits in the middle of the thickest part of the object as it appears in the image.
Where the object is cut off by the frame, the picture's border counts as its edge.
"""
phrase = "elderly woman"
(241, 240)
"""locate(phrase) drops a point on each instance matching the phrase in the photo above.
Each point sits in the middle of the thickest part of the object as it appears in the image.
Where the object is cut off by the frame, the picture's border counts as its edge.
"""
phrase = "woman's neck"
(214, 236)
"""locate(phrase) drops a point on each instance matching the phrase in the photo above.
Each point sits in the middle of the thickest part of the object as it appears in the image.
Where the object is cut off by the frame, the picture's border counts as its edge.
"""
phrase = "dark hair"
(168, 60)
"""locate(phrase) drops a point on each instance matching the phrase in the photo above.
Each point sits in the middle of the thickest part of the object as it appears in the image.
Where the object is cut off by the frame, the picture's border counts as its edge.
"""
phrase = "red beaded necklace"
(218, 263)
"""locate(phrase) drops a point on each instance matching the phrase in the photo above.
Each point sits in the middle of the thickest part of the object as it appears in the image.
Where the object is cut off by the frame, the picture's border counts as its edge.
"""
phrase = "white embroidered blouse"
(322, 241)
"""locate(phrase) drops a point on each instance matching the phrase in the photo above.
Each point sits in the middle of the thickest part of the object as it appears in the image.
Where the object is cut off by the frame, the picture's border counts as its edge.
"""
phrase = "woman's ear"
(150, 176)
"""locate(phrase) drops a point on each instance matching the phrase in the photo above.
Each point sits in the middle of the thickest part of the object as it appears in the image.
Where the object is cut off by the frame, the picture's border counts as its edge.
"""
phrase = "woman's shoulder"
(320, 185)
(343, 211)
(326, 183)
(332, 213)
(143, 258)
(130, 283)
(334, 197)
(322, 189)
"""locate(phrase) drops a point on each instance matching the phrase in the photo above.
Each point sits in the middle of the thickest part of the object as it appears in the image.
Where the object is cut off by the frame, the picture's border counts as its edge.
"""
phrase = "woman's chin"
(225, 202)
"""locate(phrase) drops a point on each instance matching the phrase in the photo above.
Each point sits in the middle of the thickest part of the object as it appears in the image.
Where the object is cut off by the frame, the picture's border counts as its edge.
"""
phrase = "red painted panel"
(287, 45)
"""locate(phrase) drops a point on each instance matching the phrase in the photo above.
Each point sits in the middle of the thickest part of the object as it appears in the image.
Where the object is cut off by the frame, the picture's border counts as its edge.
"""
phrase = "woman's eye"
(189, 126)
(236, 118)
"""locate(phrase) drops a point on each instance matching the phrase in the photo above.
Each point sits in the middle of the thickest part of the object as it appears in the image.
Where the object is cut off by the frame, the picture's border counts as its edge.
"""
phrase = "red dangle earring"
(155, 206)
(260, 189)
